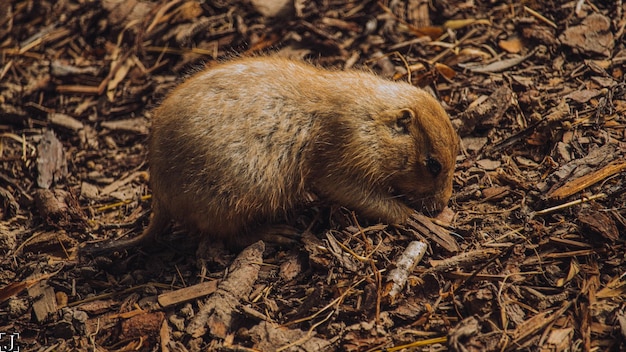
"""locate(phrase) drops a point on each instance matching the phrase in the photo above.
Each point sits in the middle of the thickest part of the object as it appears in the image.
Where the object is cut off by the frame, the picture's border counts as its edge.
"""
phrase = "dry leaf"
(445, 70)
(474, 53)
(574, 269)
(513, 46)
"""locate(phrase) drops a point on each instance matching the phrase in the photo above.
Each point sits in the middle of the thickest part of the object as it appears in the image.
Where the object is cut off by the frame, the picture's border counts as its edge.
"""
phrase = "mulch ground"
(530, 255)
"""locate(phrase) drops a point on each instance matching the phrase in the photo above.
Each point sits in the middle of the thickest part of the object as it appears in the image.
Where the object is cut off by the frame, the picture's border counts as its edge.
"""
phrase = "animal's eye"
(433, 166)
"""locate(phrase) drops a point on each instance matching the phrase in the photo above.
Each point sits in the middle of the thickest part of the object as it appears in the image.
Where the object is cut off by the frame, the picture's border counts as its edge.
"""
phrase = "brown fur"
(244, 141)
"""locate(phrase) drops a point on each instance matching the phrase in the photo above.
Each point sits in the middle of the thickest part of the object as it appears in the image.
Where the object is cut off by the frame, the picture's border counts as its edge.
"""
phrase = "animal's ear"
(399, 120)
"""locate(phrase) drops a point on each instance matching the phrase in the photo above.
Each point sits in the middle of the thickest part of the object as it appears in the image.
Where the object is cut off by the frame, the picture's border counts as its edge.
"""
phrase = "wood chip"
(188, 293)
(51, 163)
(144, 327)
(513, 46)
(273, 8)
(463, 259)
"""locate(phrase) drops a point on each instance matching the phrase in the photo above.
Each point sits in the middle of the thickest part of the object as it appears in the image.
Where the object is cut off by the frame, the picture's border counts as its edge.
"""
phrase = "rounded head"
(422, 147)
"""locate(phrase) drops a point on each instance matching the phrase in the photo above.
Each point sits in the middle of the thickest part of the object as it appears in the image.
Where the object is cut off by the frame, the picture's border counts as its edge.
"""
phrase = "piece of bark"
(122, 12)
(145, 326)
(52, 205)
(577, 168)
(488, 164)
(343, 258)
(107, 190)
(465, 333)
(59, 208)
(599, 223)
(51, 163)
(8, 239)
(487, 112)
(495, 193)
(540, 34)
(267, 336)
(436, 233)
(16, 288)
(55, 243)
(218, 313)
(532, 325)
(165, 338)
(44, 300)
(97, 307)
(316, 250)
(418, 13)
(584, 95)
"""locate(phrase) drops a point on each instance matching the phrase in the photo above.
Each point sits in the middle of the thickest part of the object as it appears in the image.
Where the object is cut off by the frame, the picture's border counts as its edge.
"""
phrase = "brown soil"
(530, 255)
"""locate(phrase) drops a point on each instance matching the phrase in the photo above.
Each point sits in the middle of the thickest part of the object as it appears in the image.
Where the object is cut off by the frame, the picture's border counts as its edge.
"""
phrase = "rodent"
(242, 142)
